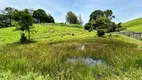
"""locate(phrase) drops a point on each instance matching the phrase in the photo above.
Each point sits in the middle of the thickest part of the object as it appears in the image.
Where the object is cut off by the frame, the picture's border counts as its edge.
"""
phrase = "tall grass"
(135, 28)
(134, 25)
(48, 60)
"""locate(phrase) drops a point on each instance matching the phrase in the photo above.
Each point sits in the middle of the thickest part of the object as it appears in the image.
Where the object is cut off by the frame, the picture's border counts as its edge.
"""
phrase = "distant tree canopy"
(51, 19)
(5, 17)
(98, 13)
(8, 15)
(101, 21)
(71, 18)
(41, 16)
(9, 12)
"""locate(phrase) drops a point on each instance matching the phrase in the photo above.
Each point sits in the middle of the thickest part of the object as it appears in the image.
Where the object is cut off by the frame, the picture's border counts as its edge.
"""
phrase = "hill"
(134, 25)
(41, 32)
(67, 53)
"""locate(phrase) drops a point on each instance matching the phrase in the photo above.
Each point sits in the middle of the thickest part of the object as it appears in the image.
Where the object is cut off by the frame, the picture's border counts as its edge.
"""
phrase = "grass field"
(41, 32)
(134, 25)
(46, 58)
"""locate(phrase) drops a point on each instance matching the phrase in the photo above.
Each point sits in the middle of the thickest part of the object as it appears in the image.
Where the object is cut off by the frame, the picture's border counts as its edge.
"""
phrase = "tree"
(50, 19)
(25, 20)
(4, 20)
(101, 21)
(71, 18)
(96, 14)
(15, 18)
(5, 17)
(16, 15)
(111, 27)
(109, 14)
(41, 16)
(99, 13)
(1, 18)
(9, 12)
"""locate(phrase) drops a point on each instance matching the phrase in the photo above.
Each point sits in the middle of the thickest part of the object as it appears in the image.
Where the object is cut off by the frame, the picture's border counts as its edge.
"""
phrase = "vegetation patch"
(41, 60)
(134, 25)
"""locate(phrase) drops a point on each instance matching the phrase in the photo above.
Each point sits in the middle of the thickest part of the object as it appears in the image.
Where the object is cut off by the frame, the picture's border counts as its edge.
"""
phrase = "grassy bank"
(134, 25)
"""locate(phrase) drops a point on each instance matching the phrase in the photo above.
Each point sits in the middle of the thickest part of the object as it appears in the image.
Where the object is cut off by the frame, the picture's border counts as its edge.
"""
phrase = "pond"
(88, 61)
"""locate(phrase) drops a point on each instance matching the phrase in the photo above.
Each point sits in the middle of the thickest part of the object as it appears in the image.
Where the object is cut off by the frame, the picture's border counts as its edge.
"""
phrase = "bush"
(111, 29)
(87, 26)
(100, 33)
(120, 29)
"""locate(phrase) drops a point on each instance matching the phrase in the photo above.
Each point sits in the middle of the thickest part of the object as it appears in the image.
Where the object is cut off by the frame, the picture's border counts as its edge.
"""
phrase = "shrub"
(111, 29)
(100, 32)
(87, 26)
(120, 29)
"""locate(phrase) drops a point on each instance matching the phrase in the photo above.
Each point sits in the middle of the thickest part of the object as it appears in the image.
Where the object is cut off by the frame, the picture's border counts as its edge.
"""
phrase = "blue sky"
(124, 10)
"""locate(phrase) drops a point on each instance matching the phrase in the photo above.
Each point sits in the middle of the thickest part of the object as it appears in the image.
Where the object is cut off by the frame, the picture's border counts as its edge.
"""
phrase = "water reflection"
(88, 61)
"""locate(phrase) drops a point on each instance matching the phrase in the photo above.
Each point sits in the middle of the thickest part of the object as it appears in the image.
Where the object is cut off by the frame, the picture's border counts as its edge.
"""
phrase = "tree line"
(10, 15)
(99, 20)
(8, 18)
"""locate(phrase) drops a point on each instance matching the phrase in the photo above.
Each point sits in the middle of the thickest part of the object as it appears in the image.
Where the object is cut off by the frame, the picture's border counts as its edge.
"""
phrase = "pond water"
(89, 61)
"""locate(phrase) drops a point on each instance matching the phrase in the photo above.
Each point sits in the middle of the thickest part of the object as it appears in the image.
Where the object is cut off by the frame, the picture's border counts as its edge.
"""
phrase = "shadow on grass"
(27, 42)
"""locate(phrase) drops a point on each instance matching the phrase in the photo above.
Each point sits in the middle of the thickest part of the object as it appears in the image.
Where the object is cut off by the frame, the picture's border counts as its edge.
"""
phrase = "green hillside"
(47, 57)
(134, 25)
(41, 32)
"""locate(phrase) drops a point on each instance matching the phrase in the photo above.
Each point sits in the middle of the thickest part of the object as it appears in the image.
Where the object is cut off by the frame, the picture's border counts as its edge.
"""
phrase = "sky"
(124, 10)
